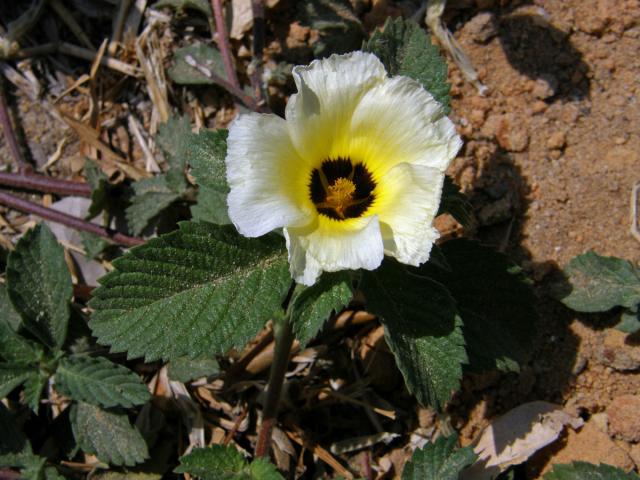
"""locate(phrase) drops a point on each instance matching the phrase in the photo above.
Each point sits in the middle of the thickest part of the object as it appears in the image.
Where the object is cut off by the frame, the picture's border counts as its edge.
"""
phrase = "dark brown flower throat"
(341, 190)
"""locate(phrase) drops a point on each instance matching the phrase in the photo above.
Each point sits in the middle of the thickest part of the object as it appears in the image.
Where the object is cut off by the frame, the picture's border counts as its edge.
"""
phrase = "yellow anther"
(340, 194)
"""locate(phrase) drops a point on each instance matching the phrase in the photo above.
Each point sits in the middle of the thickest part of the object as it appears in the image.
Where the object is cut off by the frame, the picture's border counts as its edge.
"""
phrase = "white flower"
(354, 172)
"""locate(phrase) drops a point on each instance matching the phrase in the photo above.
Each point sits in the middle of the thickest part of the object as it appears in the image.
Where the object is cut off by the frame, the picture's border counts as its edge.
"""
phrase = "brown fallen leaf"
(518, 434)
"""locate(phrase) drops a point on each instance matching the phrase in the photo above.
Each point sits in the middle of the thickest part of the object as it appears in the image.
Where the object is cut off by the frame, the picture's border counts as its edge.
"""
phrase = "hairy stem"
(52, 215)
(284, 340)
(40, 183)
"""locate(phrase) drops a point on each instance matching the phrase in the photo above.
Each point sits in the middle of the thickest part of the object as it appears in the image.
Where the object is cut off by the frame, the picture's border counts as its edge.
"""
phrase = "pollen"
(341, 189)
(340, 194)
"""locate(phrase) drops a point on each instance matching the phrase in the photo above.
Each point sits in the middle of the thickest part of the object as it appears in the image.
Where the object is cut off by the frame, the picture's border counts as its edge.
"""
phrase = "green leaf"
(211, 207)
(422, 329)
(313, 306)
(94, 245)
(405, 49)
(209, 58)
(33, 389)
(587, 471)
(202, 6)
(13, 375)
(455, 203)
(600, 283)
(439, 460)
(197, 291)
(107, 435)
(152, 196)
(629, 322)
(495, 301)
(39, 285)
(12, 440)
(9, 318)
(225, 463)
(99, 189)
(174, 138)
(207, 151)
(100, 382)
(185, 369)
(14, 347)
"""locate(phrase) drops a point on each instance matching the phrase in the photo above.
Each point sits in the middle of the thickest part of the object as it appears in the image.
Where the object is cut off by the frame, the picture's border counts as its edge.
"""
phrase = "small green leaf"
(225, 463)
(422, 329)
(14, 347)
(202, 6)
(107, 435)
(152, 196)
(587, 471)
(204, 56)
(12, 440)
(185, 369)
(94, 245)
(439, 460)
(313, 306)
(100, 382)
(207, 151)
(33, 389)
(39, 285)
(495, 301)
(13, 375)
(455, 203)
(99, 189)
(600, 283)
(629, 322)
(174, 138)
(405, 49)
(197, 291)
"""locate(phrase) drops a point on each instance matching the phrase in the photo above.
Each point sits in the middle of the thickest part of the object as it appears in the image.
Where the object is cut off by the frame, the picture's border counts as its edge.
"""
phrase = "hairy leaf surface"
(495, 301)
(14, 347)
(405, 49)
(100, 382)
(199, 290)
(587, 471)
(422, 328)
(225, 463)
(439, 459)
(107, 435)
(39, 285)
(12, 375)
(600, 283)
(313, 306)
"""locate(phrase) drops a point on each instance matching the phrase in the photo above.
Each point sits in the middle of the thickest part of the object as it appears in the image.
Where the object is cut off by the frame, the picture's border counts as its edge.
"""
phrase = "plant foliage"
(439, 460)
(587, 471)
(199, 290)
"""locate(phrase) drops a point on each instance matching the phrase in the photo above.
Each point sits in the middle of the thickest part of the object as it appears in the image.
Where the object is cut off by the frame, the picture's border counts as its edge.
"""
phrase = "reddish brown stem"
(52, 215)
(237, 92)
(223, 43)
(9, 133)
(40, 183)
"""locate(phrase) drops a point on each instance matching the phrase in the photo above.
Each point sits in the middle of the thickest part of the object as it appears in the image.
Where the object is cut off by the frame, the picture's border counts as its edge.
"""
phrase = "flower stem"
(284, 339)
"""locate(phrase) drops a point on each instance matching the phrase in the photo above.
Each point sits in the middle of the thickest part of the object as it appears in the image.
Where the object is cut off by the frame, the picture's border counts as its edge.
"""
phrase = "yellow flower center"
(341, 190)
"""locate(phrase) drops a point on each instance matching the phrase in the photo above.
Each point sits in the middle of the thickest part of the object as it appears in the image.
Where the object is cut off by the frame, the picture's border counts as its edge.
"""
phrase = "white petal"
(399, 121)
(267, 178)
(323, 247)
(409, 203)
(328, 92)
